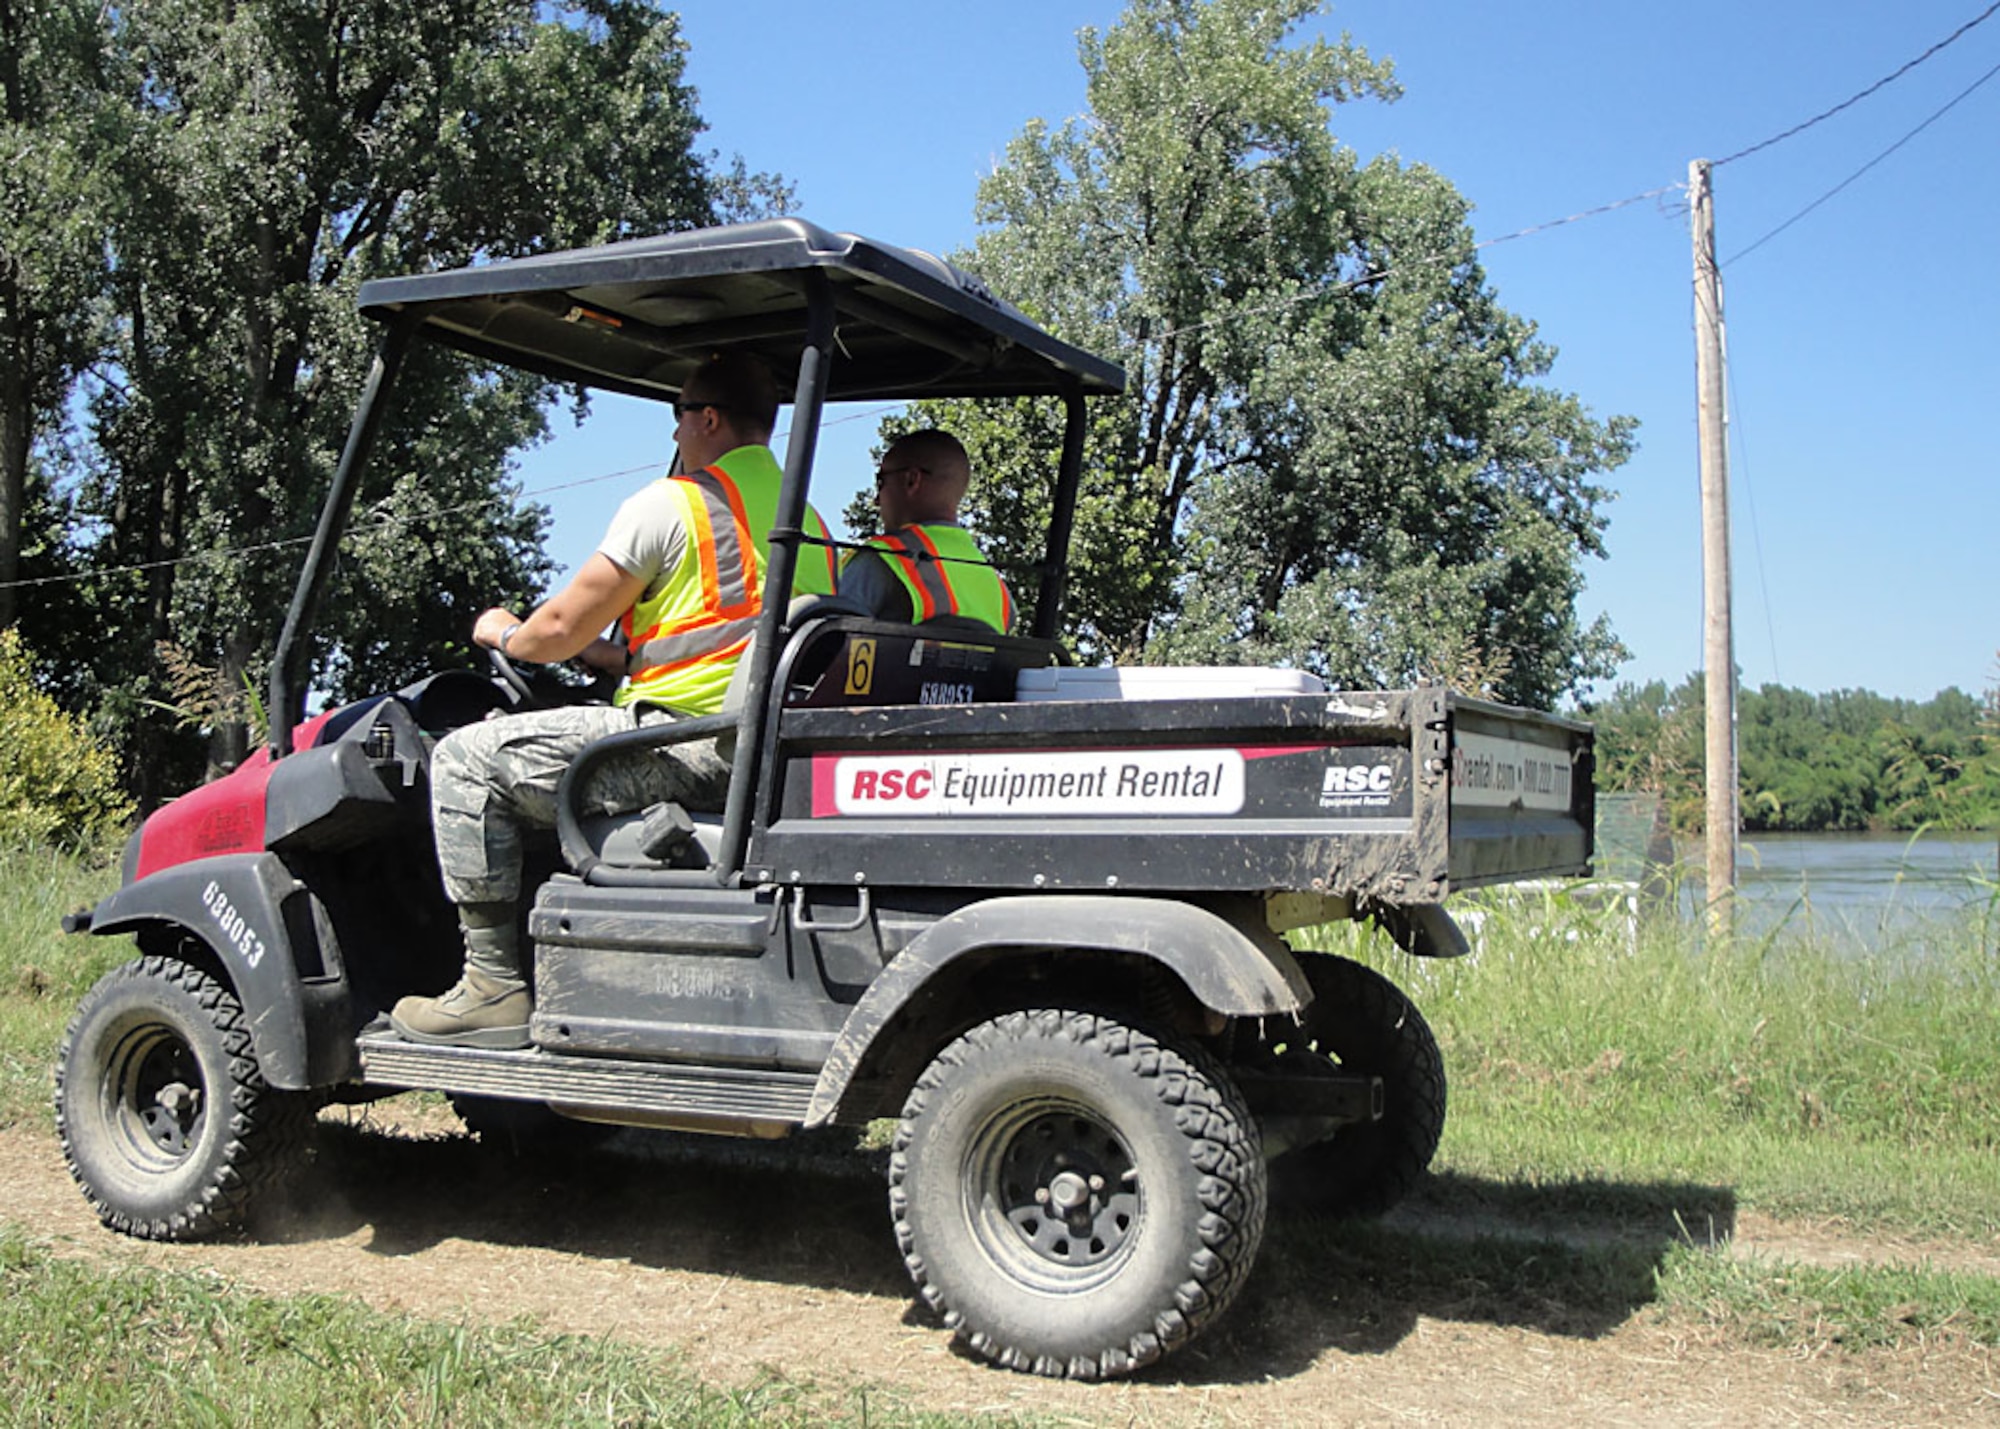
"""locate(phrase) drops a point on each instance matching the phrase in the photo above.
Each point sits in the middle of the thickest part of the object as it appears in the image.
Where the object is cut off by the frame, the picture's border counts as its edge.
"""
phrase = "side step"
(649, 1089)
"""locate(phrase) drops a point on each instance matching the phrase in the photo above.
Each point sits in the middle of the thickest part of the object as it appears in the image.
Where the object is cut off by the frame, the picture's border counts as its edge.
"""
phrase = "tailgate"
(1522, 798)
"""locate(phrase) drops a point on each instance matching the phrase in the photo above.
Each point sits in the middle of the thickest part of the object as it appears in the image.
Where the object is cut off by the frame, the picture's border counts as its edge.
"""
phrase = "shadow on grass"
(1573, 1259)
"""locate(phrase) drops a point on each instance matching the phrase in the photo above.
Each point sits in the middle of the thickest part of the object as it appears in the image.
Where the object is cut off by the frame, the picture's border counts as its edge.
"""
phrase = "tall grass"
(1812, 1081)
(43, 972)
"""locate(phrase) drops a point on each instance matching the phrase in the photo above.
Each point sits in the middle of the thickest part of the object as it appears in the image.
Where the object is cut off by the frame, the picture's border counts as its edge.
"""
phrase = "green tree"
(1334, 451)
(52, 262)
(58, 786)
(1851, 759)
(1649, 739)
(277, 155)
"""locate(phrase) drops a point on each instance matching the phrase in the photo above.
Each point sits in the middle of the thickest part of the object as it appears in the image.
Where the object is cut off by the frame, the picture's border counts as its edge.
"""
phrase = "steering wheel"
(540, 687)
(509, 674)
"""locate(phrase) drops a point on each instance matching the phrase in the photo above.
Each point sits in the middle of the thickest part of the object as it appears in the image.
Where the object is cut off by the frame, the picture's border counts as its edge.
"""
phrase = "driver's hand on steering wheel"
(492, 625)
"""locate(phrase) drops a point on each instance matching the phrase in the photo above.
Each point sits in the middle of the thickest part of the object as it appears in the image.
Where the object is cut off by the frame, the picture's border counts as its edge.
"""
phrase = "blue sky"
(1862, 339)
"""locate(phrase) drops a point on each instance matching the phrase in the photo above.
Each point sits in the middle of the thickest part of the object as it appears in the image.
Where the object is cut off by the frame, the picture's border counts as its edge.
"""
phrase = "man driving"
(681, 569)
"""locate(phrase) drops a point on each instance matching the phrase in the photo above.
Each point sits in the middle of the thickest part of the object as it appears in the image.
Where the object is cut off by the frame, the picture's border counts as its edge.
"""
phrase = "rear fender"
(1423, 930)
(1233, 970)
(274, 944)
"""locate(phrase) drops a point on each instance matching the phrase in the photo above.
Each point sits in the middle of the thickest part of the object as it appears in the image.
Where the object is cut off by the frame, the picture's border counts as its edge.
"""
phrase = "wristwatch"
(508, 634)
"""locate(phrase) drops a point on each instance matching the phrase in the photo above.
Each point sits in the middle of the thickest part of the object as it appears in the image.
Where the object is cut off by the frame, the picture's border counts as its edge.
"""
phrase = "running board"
(655, 1089)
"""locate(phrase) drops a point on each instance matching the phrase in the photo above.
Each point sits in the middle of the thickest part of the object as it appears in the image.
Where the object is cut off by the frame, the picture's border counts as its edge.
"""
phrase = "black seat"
(947, 660)
(663, 835)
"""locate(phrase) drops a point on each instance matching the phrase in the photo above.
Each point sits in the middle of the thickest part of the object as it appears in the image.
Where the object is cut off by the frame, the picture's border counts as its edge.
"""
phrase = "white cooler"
(1162, 682)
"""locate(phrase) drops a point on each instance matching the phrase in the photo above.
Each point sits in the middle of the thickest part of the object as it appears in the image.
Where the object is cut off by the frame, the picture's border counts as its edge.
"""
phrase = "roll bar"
(288, 675)
(826, 304)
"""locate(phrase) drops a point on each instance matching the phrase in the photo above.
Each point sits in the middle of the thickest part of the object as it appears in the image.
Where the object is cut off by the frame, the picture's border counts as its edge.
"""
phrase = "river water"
(1859, 886)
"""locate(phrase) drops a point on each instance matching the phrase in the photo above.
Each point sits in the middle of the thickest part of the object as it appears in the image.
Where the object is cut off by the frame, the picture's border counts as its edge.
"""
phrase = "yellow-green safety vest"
(945, 574)
(683, 641)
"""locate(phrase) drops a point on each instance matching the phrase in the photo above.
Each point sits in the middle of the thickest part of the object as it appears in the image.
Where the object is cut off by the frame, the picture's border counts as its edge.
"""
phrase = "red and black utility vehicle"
(1037, 913)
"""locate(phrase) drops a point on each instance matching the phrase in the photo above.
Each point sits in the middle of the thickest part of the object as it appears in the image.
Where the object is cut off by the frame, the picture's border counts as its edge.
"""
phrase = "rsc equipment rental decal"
(1094, 782)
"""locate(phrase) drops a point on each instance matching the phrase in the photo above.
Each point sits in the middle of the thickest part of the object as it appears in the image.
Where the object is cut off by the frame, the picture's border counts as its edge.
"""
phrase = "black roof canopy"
(639, 316)
(878, 323)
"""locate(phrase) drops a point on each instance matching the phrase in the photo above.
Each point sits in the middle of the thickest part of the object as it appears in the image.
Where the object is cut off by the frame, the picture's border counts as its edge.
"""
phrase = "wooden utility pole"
(1718, 644)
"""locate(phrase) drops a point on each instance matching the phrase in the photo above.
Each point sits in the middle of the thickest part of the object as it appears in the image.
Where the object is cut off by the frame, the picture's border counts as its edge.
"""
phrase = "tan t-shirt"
(647, 537)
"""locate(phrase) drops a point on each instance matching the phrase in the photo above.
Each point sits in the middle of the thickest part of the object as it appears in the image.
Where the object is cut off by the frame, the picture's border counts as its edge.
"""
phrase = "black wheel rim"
(1053, 1195)
(157, 1098)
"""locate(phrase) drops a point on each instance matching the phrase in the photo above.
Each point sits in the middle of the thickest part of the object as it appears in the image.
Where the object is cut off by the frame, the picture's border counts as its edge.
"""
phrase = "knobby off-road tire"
(165, 1119)
(1363, 1022)
(1075, 1196)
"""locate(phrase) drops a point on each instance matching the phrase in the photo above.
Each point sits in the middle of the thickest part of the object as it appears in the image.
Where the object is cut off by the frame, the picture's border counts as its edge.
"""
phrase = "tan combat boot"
(478, 1012)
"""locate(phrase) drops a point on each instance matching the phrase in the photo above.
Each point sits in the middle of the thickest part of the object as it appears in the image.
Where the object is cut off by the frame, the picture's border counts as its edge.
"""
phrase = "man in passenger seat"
(924, 563)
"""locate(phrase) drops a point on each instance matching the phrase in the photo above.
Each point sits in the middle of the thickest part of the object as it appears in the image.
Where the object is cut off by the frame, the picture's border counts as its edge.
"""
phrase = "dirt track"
(747, 1266)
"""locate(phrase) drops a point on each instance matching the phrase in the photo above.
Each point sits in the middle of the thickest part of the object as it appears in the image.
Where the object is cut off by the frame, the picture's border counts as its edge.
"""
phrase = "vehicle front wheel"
(165, 1118)
(1075, 1196)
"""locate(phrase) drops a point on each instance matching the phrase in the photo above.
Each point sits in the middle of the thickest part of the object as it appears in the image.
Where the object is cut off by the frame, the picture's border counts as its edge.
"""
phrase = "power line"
(1865, 167)
(1854, 99)
(1739, 439)
(1325, 290)
(140, 567)
(1602, 208)
(1376, 275)
(1373, 276)
(382, 520)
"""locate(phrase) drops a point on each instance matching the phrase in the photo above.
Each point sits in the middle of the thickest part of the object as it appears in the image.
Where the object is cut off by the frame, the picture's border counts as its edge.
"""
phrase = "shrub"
(58, 788)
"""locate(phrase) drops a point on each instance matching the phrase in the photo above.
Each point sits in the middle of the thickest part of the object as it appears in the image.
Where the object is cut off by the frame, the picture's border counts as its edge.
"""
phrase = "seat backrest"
(945, 625)
(950, 660)
(802, 609)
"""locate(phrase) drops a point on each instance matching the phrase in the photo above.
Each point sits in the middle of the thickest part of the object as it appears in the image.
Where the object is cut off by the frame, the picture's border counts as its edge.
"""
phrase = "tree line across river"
(1848, 760)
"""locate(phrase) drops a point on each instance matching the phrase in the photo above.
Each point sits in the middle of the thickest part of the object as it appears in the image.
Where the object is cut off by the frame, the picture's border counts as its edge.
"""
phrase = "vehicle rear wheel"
(1075, 1196)
(165, 1118)
(1362, 1022)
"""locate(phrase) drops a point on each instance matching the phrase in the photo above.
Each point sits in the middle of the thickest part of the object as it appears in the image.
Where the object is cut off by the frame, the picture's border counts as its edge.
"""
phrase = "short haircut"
(741, 387)
(938, 452)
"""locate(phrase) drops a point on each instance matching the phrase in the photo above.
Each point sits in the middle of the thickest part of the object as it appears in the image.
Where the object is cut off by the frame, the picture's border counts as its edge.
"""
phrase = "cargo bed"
(1390, 796)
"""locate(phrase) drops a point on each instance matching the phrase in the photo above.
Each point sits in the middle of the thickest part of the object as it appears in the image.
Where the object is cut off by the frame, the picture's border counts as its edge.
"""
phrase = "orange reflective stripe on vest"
(925, 578)
(725, 552)
(946, 575)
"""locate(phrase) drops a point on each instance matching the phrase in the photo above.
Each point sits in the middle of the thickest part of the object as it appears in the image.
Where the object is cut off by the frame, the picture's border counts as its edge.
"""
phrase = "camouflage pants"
(493, 780)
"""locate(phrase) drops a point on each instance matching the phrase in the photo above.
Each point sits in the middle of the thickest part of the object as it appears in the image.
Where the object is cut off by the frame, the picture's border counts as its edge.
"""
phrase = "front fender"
(1233, 970)
(273, 943)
